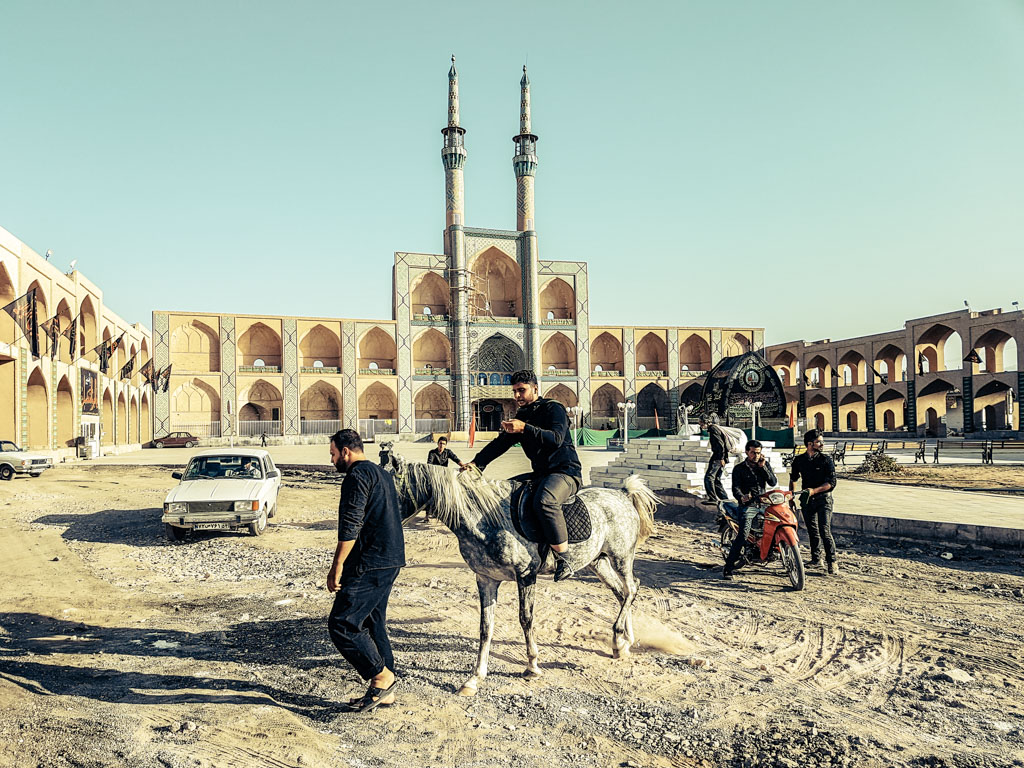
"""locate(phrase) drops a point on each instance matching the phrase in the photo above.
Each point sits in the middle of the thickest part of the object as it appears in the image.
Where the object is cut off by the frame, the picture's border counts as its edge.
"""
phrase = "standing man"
(716, 464)
(263, 440)
(370, 552)
(441, 455)
(751, 478)
(817, 473)
(541, 426)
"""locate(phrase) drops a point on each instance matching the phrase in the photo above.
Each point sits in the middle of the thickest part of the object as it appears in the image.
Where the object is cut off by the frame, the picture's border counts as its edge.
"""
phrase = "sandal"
(372, 698)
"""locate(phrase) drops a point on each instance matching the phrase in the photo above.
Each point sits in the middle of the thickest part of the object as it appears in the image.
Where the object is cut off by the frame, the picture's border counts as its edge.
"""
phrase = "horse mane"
(456, 496)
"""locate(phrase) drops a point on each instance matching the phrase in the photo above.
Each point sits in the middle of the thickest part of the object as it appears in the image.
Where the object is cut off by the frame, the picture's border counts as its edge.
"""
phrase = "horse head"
(409, 501)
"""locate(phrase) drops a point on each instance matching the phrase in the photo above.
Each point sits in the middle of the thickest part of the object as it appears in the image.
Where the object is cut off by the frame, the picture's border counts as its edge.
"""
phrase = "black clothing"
(818, 519)
(713, 481)
(719, 445)
(369, 515)
(814, 472)
(749, 478)
(357, 623)
(549, 494)
(441, 458)
(546, 440)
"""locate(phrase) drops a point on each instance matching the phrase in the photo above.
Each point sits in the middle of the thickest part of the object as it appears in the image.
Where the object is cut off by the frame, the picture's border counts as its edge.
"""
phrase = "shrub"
(879, 463)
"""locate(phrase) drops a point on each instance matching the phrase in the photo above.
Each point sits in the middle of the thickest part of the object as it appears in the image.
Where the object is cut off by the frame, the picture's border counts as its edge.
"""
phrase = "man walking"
(751, 478)
(713, 488)
(817, 473)
(541, 427)
(441, 455)
(370, 552)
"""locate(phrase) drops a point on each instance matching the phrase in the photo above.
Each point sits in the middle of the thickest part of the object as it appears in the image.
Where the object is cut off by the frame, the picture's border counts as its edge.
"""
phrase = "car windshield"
(7, 445)
(212, 467)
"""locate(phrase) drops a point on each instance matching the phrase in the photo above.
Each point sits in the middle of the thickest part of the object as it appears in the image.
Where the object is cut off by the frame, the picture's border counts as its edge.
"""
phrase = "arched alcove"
(8, 330)
(558, 353)
(107, 418)
(496, 283)
(852, 411)
(87, 325)
(433, 402)
(818, 372)
(606, 352)
(735, 344)
(498, 354)
(378, 402)
(564, 395)
(38, 411)
(377, 348)
(853, 368)
(135, 435)
(320, 401)
(259, 342)
(195, 347)
(819, 411)
(604, 406)
(195, 404)
(144, 419)
(430, 295)
(652, 354)
(695, 354)
(651, 399)
(260, 402)
(322, 346)
(557, 300)
(431, 352)
(65, 413)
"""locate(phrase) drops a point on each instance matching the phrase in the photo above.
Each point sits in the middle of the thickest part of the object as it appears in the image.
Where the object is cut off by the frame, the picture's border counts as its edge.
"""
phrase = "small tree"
(879, 463)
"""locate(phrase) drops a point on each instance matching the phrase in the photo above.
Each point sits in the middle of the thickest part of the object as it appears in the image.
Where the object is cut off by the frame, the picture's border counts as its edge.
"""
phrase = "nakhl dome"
(738, 380)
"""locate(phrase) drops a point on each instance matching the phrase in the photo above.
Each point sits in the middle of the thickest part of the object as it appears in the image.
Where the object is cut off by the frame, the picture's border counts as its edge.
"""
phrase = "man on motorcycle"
(750, 478)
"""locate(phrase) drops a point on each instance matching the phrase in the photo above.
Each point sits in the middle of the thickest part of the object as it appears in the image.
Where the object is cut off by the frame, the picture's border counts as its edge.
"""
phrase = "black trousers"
(745, 516)
(357, 623)
(549, 494)
(713, 481)
(818, 518)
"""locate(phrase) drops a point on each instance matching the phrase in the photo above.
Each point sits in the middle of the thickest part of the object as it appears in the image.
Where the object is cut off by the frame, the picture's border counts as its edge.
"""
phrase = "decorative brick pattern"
(23, 389)
(161, 356)
(290, 359)
(911, 404)
(672, 340)
(629, 364)
(968, 403)
(716, 346)
(403, 314)
(349, 391)
(228, 373)
(869, 412)
(834, 397)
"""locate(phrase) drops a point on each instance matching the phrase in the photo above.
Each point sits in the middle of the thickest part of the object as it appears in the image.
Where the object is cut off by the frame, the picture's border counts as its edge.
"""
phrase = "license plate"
(212, 527)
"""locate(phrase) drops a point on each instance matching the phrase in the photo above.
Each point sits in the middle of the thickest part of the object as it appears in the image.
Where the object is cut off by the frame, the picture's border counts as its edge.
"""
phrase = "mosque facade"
(463, 320)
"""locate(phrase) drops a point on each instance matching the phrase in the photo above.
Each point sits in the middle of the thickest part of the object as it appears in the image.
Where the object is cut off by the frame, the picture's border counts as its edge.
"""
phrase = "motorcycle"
(772, 536)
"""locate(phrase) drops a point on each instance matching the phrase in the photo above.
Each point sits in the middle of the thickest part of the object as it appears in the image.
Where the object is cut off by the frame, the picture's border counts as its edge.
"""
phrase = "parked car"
(14, 461)
(223, 489)
(177, 440)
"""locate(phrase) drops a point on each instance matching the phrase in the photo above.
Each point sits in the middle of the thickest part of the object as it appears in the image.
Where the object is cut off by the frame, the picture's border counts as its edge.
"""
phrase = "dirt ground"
(956, 477)
(120, 649)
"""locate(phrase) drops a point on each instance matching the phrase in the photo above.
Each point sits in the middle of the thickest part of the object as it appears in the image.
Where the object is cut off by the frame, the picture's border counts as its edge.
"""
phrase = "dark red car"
(177, 440)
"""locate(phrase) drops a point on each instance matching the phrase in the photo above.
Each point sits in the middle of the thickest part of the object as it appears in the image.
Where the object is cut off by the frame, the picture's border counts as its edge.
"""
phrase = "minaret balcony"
(453, 158)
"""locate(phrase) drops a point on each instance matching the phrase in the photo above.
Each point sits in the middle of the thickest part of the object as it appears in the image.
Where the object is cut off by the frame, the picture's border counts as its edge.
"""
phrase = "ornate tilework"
(403, 330)
(228, 373)
(716, 346)
(161, 357)
(672, 340)
(629, 364)
(290, 370)
(349, 394)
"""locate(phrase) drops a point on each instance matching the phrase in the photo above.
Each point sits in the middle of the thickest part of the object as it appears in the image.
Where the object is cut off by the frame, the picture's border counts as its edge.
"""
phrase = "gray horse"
(476, 510)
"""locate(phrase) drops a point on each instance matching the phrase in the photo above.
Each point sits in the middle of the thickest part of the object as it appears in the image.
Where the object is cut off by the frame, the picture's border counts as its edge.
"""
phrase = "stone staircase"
(675, 463)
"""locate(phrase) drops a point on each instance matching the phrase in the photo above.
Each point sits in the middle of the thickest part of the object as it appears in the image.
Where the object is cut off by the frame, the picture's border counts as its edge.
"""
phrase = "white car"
(14, 461)
(223, 489)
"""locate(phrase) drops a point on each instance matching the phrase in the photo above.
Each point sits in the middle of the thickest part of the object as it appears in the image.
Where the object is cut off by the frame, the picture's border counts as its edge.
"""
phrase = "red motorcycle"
(772, 537)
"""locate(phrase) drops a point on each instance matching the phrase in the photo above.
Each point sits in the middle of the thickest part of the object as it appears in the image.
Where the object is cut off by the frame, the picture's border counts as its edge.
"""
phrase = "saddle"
(577, 516)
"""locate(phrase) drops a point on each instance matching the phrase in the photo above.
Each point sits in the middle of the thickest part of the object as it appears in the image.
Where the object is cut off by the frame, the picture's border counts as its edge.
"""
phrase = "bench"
(787, 458)
(839, 453)
(919, 453)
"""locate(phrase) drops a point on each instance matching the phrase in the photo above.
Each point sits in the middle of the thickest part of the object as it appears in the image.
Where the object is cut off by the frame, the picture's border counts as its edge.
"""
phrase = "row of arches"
(88, 335)
(995, 349)
(131, 424)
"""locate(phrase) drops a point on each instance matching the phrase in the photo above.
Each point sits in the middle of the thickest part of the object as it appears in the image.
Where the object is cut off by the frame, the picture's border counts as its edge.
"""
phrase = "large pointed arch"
(496, 284)
(63, 313)
(87, 327)
(557, 301)
(650, 400)
(852, 368)
(260, 401)
(562, 394)
(320, 402)
(195, 405)
(320, 348)
(498, 354)
(431, 352)
(107, 418)
(145, 420)
(558, 353)
(378, 402)
(8, 330)
(606, 354)
(430, 295)
(652, 354)
(695, 354)
(259, 343)
(377, 350)
(433, 402)
(195, 347)
(735, 344)
(65, 403)
(38, 411)
(135, 434)
(604, 406)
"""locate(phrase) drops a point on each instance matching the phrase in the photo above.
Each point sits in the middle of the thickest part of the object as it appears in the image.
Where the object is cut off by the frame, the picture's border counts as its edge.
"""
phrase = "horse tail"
(644, 501)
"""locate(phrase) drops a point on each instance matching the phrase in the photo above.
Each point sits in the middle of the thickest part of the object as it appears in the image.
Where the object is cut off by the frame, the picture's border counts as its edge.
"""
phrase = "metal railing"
(197, 428)
(372, 427)
(319, 426)
(257, 428)
(433, 425)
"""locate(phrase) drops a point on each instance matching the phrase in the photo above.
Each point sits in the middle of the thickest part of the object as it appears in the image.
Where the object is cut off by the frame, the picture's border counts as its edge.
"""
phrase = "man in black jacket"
(441, 455)
(817, 473)
(750, 478)
(713, 487)
(541, 427)
(370, 552)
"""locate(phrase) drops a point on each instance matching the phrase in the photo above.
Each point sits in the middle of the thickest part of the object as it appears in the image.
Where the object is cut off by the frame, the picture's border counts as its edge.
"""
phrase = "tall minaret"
(453, 156)
(525, 165)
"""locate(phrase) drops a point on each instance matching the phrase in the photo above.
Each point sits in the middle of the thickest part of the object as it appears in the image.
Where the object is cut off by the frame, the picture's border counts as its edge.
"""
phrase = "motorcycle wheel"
(726, 540)
(793, 564)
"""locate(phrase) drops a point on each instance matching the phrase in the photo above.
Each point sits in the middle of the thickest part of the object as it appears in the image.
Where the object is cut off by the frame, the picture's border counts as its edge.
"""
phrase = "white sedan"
(223, 489)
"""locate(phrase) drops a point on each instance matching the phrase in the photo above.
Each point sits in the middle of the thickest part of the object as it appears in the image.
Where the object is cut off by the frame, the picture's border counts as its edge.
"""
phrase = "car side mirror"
(273, 473)
(176, 475)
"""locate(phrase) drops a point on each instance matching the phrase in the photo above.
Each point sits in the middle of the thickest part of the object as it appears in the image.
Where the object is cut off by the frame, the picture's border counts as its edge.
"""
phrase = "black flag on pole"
(162, 381)
(72, 333)
(52, 330)
(146, 372)
(127, 368)
(973, 357)
(23, 310)
(883, 377)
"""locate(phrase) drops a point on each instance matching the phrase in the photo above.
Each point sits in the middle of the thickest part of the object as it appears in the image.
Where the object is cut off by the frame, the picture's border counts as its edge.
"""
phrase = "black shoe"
(815, 562)
(833, 569)
(727, 575)
(564, 570)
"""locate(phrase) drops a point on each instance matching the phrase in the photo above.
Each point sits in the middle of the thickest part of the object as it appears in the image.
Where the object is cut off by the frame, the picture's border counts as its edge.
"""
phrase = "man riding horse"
(541, 427)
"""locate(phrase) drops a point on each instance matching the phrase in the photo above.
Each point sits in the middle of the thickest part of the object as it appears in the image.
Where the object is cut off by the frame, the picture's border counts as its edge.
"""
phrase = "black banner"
(90, 392)
(52, 330)
(147, 373)
(23, 310)
(127, 368)
(72, 333)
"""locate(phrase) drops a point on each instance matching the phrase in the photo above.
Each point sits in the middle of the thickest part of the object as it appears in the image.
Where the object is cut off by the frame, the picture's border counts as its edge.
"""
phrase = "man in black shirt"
(716, 464)
(370, 552)
(818, 475)
(441, 455)
(541, 427)
(750, 478)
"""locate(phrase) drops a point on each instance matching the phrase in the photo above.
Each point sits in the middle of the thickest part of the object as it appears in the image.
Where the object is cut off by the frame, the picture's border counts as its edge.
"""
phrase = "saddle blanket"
(577, 517)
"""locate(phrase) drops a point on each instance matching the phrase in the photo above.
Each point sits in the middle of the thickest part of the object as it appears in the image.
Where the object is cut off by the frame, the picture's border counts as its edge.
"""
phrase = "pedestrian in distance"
(441, 456)
(369, 555)
(817, 474)
(713, 487)
(263, 440)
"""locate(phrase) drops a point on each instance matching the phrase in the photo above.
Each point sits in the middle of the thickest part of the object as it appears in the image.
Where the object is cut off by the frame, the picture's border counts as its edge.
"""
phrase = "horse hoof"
(620, 653)
(464, 691)
(532, 674)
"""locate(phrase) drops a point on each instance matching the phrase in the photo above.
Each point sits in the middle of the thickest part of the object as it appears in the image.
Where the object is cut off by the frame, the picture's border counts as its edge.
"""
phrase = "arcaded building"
(60, 398)
(939, 376)
(462, 321)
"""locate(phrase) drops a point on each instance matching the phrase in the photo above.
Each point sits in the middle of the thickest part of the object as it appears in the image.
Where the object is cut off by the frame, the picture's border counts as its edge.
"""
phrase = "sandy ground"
(1001, 478)
(118, 648)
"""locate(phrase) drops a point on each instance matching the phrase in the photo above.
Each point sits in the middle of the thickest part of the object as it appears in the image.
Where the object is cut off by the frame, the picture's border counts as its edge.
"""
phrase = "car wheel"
(273, 510)
(190, 444)
(159, 445)
(174, 533)
(6, 472)
(258, 526)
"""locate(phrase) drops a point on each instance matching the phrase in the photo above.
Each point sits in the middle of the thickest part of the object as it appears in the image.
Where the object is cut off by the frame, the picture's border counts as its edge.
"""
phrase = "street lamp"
(576, 412)
(624, 410)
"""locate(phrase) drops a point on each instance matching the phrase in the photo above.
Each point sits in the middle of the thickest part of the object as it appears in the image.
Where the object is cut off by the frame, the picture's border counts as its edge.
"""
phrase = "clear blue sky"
(715, 163)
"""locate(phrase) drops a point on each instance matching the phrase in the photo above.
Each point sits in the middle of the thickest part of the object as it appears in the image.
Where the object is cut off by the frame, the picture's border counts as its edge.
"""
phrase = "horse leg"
(618, 577)
(526, 588)
(488, 589)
